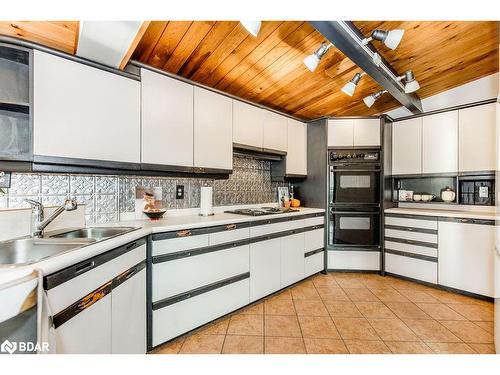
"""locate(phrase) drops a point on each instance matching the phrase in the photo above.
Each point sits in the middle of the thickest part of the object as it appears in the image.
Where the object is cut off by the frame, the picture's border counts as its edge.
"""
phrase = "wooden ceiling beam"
(347, 38)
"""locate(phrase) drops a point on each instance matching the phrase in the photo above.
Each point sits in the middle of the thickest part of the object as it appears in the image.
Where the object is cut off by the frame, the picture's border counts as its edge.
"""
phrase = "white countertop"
(483, 215)
(145, 227)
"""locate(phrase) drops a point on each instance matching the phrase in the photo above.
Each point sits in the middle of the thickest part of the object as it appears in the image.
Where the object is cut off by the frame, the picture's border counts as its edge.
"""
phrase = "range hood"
(257, 153)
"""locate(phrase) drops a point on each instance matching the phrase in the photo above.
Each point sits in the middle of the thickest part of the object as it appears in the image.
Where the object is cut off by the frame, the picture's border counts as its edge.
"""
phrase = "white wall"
(480, 89)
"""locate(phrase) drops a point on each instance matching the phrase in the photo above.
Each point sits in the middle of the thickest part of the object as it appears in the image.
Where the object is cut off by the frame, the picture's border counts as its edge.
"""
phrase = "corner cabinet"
(296, 157)
(82, 113)
(167, 122)
(213, 131)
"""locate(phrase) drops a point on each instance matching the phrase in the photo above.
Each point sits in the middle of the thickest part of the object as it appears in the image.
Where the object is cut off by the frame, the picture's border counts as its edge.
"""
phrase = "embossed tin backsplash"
(106, 197)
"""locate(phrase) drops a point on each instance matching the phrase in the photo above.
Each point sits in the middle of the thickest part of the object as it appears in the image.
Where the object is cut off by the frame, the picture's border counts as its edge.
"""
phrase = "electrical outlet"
(179, 192)
(4, 180)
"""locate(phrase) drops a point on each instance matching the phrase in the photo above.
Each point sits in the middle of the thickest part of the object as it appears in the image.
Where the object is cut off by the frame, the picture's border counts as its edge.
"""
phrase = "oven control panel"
(354, 156)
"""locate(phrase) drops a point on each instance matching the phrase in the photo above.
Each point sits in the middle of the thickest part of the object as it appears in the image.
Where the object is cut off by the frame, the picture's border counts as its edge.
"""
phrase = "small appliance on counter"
(206, 201)
(477, 190)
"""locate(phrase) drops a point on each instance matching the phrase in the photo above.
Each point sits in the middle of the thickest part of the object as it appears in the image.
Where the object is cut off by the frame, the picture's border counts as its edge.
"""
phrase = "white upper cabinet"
(340, 133)
(167, 120)
(477, 138)
(407, 146)
(213, 130)
(83, 112)
(248, 124)
(366, 132)
(275, 131)
(296, 157)
(440, 143)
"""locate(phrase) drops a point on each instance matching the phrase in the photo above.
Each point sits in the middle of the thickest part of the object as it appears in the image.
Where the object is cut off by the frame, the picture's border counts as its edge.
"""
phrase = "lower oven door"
(350, 227)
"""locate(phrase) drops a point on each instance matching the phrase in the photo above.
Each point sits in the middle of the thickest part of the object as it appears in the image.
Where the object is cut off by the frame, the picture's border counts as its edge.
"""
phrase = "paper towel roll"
(206, 208)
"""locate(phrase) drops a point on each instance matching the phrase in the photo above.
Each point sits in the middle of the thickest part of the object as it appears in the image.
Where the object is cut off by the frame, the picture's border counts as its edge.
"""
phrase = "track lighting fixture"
(350, 86)
(411, 84)
(252, 27)
(312, 61)
(377, 60)
(370, 99)
(390, 38)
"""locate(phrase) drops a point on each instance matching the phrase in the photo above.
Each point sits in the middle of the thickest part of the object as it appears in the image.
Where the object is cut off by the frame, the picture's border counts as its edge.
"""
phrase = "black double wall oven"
(354, 199)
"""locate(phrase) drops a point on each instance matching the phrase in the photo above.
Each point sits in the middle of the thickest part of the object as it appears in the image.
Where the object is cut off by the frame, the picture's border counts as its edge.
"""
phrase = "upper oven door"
(354, 186)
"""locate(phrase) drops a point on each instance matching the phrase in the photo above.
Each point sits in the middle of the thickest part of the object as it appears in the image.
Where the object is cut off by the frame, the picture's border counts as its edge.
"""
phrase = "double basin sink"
(25, 251)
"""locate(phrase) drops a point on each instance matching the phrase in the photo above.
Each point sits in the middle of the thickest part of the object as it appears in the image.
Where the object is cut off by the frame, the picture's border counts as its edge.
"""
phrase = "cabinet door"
(265, 265)
(213, 130)
(466, 256)
(340, 133)
(296, 157)
(84, 113)
(88, 332)
(275, 131)
(248, 124)
(477, 138)
(167, 120)
(407, 146)
(292, 259)
(440, 143)
(366, 132)
(128, 318)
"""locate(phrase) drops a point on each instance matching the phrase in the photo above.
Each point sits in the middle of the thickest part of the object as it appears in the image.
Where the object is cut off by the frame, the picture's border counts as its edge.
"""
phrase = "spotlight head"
(411, 84)
(253, 27)
(370, 99)
(312, 61)
(390, 38)
(350, 86)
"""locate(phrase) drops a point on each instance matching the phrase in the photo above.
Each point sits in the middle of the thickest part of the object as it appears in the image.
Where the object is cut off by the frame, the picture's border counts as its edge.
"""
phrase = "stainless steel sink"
(97, 233)
(31, 250)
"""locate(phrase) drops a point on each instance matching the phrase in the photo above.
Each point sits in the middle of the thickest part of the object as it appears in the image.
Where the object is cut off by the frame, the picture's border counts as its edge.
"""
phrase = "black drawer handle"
(132, 245)
(84, 267)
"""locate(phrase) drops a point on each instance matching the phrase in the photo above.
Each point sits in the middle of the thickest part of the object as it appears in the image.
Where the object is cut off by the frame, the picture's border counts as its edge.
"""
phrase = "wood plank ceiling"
(268, 69)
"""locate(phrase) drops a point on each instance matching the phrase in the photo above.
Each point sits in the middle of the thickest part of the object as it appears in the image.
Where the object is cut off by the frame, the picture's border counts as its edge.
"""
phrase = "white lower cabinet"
(354, 260)
(178, 318)
(466, 257)
(89, 332)
(414, 268)
(265, 268)
(292, 259)
(314, 263)
(102, 306)
(128, 316)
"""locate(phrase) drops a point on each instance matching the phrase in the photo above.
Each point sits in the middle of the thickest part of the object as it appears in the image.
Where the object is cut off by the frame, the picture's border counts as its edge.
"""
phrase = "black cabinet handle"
(132, 245)
(84, 267)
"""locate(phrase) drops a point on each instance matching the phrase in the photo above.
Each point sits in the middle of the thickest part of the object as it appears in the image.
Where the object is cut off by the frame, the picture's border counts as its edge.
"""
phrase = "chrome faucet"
(37, 214)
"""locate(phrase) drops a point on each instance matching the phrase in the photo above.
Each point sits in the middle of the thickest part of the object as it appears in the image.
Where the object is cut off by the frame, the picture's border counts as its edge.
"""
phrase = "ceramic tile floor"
(343, 313)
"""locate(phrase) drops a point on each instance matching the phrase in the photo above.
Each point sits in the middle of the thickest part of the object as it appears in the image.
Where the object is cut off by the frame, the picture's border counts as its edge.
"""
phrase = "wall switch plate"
(4, 180)
(179, 191)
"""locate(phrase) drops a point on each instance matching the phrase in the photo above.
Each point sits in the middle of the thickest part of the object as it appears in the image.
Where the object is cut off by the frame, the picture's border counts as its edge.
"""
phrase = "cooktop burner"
(260, 211)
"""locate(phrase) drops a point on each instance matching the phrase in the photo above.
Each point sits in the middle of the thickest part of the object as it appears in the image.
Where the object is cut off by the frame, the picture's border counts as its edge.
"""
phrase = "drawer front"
(411, 267)
(410, 222)
(229, 236)
(184, 274)
(173, 245)
(314, 221)
(261, 230)
(178, 318)
(410, 248)
(314, 239)
(314, 263)
(412, 236)
(67, 293)
(354, 260)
